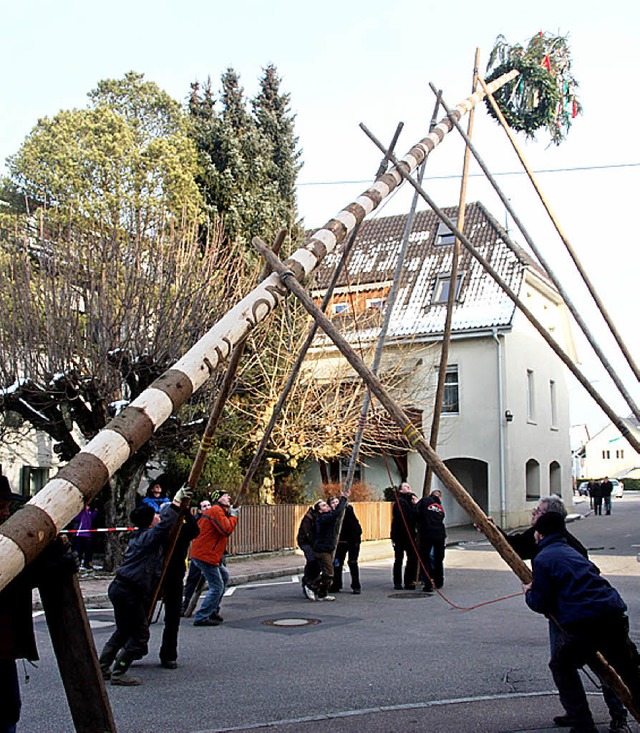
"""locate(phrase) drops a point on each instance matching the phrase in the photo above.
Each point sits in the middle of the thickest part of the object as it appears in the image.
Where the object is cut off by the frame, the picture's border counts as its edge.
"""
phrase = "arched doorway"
(474, 476)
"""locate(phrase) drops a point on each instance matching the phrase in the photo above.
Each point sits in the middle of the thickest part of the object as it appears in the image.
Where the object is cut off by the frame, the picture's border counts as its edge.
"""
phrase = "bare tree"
(89, 321)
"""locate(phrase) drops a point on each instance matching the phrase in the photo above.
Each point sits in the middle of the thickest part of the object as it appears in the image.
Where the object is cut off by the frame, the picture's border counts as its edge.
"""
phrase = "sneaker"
(327, 598)
(125, 680)
(206, 622)
(310, 594)
(215, 616)
(619, 724)
(356, 591)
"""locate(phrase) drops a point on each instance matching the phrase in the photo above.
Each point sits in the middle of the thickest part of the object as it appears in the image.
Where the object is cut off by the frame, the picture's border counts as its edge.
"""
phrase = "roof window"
(444, 235)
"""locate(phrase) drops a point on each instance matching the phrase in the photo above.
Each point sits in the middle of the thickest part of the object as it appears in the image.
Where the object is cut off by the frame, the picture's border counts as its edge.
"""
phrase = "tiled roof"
(481, 302)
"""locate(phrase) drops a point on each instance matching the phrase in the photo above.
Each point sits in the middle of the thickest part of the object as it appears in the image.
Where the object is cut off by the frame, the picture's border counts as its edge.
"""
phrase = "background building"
(504, 431)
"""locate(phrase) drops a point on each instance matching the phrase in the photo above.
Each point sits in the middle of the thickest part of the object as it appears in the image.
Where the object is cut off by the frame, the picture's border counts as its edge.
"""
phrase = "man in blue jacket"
(590, 614)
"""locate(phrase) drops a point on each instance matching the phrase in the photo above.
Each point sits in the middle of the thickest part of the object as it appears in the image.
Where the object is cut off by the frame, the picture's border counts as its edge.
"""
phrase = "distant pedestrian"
(597, 497)
(591, 617)
(606, 488)
(306, 539)
(431, 539)
(208, 550)
(83, 523)
(348, 547)
(403, 537)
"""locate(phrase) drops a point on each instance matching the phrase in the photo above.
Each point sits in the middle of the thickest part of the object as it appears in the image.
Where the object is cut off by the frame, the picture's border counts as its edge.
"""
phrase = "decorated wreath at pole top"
(544, 92)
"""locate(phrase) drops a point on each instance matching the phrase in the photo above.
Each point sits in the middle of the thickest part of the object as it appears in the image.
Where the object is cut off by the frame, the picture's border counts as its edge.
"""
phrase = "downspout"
(503, 489)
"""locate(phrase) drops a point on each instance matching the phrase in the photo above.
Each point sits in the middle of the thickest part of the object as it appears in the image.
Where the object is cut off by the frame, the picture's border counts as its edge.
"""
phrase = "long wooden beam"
(417, 441)
(24, 535)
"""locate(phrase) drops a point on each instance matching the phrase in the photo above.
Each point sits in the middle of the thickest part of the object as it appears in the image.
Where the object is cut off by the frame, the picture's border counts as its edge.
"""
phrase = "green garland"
(528, 102)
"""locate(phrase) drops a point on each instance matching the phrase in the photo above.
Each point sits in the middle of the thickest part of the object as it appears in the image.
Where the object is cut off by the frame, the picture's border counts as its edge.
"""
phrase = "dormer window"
(341, 307)
(444, 235)
(441, 288)
(376, 303)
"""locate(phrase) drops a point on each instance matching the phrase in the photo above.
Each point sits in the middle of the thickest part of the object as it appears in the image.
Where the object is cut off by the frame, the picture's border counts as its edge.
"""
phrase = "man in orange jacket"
(207, 551)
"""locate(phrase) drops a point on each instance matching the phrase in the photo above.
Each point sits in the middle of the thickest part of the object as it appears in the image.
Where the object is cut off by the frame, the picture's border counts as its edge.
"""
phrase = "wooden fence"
(270, 527)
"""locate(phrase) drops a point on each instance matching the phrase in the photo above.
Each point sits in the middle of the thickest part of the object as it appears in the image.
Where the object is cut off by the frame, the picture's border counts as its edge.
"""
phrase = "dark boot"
(119, 675)
(354, 571)
(106, 659)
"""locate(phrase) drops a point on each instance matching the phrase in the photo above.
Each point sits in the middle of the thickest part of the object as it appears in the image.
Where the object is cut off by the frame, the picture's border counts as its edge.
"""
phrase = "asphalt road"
(379, 662)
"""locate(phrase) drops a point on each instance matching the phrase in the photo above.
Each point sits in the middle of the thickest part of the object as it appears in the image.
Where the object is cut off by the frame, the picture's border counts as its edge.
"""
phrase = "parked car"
(618, 488)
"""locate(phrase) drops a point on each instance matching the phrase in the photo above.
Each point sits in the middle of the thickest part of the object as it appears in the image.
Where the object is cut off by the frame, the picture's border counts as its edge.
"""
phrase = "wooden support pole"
(75, 651)
(575, 312)
(417, 441)
(453, 292)
(608, 411)
(592, 291)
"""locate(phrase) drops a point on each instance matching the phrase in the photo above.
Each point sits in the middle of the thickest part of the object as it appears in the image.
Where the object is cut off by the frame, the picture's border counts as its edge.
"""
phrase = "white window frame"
(441, 288)
(450, 385)
(531, 396)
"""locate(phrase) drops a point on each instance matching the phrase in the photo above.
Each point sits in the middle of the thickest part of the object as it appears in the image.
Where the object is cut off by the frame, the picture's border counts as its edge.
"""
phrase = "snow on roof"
(481, 302)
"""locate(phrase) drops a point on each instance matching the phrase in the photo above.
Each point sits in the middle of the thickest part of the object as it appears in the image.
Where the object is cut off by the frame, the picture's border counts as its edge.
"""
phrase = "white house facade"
(609, 454)
(504, 430)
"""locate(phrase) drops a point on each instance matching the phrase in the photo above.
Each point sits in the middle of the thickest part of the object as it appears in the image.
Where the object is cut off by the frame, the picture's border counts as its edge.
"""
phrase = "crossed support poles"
(289, 279)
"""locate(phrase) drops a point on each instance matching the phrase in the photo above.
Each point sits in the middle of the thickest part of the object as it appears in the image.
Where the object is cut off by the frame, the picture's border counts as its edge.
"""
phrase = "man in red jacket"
(207, 551)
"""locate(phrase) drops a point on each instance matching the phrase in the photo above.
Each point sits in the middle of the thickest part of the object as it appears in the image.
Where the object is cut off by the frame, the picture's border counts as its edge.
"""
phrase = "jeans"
(432, 557)
(217, 576)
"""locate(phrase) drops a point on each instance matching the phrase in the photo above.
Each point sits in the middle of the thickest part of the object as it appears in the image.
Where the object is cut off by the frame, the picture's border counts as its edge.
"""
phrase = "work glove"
(234, 511)
(184, 492)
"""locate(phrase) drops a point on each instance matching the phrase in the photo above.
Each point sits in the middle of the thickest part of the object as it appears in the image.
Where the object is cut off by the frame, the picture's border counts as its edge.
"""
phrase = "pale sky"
(353, 61)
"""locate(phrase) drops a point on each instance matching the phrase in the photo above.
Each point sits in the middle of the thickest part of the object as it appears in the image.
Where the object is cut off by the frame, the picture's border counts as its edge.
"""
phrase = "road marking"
(385, 709)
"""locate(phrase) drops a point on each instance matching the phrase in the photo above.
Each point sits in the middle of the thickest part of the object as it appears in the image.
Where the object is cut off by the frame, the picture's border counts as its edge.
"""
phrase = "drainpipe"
(503, 489)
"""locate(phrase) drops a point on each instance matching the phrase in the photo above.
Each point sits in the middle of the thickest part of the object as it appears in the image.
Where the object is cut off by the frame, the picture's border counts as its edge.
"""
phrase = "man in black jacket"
(591, 617)
(525, 544)
(431, 539)
(306, 538)
(173, 584)
(324, 546)
(348, 545)
(131, 590)
(403, 537)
